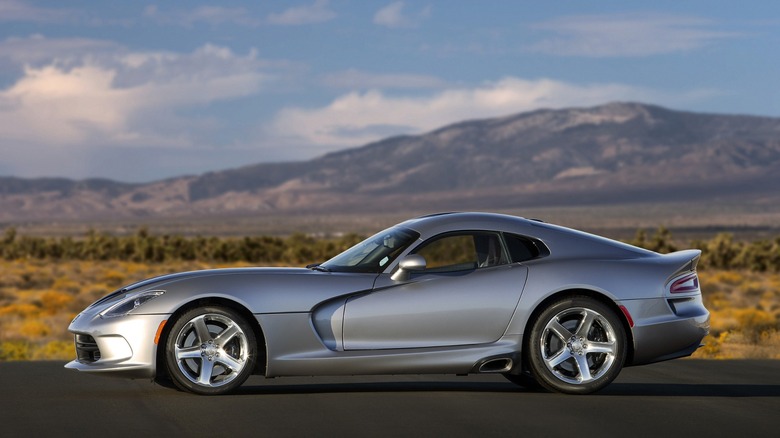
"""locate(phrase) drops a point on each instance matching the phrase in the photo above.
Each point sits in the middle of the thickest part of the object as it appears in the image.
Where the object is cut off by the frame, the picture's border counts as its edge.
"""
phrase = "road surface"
(690, 398)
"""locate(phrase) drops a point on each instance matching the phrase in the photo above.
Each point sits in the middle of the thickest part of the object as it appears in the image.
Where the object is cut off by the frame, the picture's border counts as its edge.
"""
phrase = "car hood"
(260, 290)
(179, 276)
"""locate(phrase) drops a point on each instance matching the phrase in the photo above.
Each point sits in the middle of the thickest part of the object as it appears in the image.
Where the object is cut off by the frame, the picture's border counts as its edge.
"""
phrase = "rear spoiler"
(683, 261)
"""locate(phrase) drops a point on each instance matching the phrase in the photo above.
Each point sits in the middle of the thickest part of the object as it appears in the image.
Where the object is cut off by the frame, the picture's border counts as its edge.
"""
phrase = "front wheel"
(210, 351)
(577, 346)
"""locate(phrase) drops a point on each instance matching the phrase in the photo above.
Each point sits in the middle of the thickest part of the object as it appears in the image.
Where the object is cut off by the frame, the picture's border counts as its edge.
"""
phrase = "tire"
(577, 346)
(210, 351)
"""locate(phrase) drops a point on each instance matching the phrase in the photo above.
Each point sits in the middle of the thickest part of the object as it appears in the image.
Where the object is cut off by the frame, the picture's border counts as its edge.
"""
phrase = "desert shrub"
(33, 328)
(720, 252)
(728, 278)
(712, 346)
(65, 284)
(661, 241)
(55, 301)
(113, 278)
(144, 247)
(15, 350)
(755, 322)
(21, 309)
(54, 350)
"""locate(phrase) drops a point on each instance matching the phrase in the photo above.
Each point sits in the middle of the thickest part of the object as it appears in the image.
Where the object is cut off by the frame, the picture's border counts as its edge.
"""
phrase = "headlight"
(131, 302)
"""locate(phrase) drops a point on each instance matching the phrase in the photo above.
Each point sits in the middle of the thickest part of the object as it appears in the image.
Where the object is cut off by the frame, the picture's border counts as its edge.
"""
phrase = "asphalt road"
(691, 398)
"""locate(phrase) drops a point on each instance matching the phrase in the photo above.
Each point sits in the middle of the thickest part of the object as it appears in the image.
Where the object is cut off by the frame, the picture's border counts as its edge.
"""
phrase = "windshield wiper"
(317, 267)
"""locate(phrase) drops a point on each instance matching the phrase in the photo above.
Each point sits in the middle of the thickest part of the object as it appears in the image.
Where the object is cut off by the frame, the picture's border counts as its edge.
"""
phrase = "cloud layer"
(626, 35)
(86, 114)
(317, 12)
(360, 117)
(393, 16)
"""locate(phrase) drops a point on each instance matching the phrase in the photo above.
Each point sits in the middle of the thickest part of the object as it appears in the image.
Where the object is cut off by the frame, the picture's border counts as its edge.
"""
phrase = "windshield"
(374, 253)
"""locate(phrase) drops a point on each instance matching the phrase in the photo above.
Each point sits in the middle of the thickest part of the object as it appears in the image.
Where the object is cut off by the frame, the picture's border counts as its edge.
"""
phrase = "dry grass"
(39, 298)
(745, 315)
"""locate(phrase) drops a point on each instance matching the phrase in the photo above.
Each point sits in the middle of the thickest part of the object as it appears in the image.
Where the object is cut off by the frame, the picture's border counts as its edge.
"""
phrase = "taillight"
(688, 283)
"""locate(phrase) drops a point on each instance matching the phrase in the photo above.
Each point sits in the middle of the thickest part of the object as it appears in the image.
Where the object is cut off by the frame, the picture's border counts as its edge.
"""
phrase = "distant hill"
(611, 154)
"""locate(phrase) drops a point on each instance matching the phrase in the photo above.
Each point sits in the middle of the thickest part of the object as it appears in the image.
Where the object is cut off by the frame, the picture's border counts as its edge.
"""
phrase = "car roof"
(452, 221)
(559, 239)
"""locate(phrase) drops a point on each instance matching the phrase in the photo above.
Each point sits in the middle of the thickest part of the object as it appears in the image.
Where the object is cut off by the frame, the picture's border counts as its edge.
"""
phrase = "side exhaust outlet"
(501, 365)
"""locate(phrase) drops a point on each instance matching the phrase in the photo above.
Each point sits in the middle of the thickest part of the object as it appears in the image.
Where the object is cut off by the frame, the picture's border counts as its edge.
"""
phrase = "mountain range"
(617, 153)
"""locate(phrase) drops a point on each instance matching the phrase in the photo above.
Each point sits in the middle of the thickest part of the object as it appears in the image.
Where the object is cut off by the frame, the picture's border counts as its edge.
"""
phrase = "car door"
(466, 295)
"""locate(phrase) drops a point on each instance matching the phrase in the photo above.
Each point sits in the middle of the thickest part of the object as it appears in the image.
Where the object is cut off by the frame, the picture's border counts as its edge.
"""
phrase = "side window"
(520, 248)
(460, 252)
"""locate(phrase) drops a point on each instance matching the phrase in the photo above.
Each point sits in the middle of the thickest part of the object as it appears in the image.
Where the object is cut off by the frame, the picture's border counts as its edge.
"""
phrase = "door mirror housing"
(407, 265)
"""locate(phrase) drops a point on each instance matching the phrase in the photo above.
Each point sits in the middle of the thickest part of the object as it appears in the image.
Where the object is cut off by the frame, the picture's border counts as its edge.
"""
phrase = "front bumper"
(122, 346)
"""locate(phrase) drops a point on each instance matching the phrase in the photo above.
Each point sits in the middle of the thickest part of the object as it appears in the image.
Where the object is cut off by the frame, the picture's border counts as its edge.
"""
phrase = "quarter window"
(521, 248)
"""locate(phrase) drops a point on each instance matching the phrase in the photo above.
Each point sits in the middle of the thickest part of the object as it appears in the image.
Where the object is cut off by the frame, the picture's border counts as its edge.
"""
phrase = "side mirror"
(407, 265)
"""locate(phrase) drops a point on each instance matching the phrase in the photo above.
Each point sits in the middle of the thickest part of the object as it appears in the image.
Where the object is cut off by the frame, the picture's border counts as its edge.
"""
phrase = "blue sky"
(137, 91)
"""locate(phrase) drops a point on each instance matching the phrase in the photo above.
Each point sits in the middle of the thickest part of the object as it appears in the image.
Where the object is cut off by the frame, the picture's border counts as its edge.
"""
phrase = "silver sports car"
(452, 293)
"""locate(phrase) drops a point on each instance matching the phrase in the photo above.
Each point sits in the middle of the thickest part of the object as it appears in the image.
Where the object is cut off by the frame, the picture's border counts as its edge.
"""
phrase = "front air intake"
(87, 349)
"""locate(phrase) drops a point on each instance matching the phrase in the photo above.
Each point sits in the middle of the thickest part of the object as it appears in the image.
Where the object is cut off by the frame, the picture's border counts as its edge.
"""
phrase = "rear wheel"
(210, 351)
(577, 346)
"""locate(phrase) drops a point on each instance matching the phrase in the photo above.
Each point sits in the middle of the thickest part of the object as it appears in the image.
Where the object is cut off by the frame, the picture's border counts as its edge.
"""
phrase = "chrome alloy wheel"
(211, 350)
(578, 345)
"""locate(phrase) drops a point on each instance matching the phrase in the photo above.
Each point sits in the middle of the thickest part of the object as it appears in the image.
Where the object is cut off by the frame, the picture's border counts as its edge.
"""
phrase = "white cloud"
(393, 16)
(25, 12)
(317, 12)
(355, 79)
(626, 35)
(212, 15)
(359, 118)
(57, 106)
(125, 99)
(16, 10)
(37, 48)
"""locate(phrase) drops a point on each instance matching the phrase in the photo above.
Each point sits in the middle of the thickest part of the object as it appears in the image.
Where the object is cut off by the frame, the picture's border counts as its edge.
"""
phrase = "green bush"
(144, 247)
(720, 252)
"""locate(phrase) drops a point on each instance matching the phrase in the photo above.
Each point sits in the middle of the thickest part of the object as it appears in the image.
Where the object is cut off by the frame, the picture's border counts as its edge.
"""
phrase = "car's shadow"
(691, 390)
(320, 388)
(615, 389)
